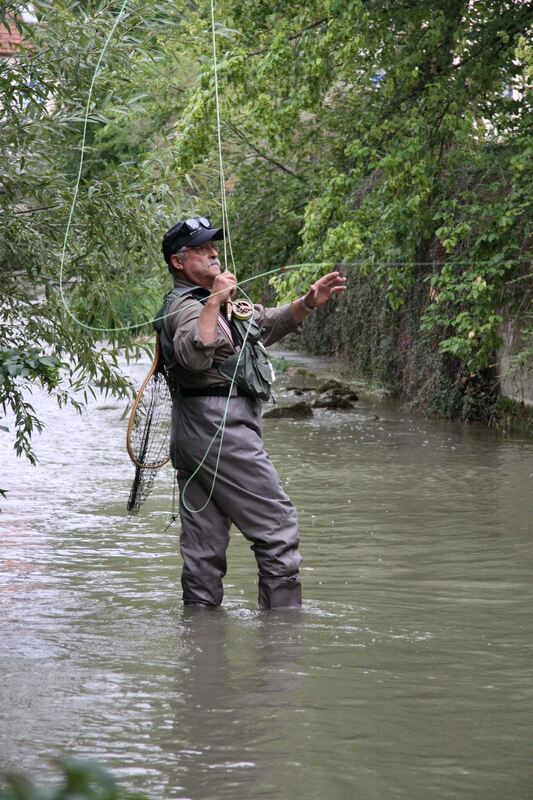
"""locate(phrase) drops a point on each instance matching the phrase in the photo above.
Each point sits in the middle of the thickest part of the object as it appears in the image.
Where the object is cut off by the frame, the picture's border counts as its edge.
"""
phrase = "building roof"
(10, 36)
(9, 39)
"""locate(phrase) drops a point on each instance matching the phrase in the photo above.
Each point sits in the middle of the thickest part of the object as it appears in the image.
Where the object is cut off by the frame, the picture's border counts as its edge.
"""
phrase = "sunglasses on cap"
(195, 223)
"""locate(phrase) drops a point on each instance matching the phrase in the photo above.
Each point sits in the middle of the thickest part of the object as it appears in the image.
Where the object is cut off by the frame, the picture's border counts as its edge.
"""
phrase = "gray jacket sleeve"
(191, 353)
(277, 322)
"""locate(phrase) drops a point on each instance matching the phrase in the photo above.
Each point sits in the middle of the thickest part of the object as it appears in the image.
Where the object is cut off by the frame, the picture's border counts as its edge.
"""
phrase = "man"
(224, 473)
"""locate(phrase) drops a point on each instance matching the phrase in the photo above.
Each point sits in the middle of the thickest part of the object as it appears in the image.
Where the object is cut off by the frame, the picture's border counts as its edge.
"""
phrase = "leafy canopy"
(392, 136)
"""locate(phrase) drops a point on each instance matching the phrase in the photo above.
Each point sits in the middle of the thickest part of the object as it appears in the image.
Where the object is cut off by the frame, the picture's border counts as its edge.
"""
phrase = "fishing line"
(221, 429)
(227, 247)
(225, 219)
(225, 228)
(78, 179)
(219, 135)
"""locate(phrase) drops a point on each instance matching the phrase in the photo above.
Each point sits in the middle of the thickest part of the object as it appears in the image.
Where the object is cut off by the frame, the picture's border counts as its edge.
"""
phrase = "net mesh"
(149, 437)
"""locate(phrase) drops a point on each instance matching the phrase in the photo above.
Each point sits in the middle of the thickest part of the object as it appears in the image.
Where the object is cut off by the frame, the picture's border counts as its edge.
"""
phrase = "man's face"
(199, 265)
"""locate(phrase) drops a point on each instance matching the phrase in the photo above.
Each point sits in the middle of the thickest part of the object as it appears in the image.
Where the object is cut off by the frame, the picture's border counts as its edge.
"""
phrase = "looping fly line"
(227, 248)
(225, 218)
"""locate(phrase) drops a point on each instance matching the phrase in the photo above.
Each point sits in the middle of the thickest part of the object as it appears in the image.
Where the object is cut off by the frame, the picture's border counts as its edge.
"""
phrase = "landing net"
(148, 437)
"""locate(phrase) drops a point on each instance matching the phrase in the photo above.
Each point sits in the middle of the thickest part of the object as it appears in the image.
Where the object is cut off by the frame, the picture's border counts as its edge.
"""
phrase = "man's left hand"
(324, 288)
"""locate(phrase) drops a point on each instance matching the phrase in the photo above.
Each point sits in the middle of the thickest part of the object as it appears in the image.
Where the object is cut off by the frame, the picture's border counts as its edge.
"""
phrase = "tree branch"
(262, 154)
(293, 36)
(31, 210)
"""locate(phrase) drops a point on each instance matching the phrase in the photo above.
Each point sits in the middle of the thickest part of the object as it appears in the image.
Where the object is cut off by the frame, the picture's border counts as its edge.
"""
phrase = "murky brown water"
(408, 674)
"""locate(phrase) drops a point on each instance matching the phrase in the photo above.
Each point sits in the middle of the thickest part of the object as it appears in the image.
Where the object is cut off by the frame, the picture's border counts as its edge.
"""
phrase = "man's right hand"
(223, 287)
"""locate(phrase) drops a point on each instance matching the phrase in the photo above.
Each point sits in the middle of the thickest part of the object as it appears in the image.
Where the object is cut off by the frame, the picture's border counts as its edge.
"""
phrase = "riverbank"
(502, 414)
(324, 367)
(393, 348)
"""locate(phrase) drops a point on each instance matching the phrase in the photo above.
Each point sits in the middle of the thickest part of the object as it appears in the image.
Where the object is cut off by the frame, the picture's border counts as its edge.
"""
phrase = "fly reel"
(242, 309)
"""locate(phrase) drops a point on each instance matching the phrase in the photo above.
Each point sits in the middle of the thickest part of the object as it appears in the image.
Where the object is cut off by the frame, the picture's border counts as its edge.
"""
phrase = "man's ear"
(175, 261)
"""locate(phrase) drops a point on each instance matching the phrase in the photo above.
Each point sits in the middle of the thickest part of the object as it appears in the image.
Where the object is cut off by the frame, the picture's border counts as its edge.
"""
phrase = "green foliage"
(400, 139)
(81, 780)
(376, 134)
(112, 276)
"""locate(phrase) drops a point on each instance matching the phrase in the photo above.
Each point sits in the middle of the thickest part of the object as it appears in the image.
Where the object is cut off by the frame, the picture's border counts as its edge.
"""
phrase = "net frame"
(148, 433)
(156, 380)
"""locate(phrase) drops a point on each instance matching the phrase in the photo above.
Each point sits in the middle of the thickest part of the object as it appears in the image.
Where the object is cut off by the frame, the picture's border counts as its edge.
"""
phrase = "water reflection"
(234, 701)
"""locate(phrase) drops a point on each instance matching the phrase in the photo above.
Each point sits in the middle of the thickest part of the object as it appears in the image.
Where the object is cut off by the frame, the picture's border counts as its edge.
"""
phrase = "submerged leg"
(203, 543)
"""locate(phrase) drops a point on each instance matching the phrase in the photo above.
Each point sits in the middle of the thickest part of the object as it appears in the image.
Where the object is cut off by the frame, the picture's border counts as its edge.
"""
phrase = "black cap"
(180, 235)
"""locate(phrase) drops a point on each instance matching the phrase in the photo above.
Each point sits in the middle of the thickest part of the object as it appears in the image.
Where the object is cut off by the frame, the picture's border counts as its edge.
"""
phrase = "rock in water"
(334, 394)
(330, 400)
(330, 385)
(295, 411)
(337, 389)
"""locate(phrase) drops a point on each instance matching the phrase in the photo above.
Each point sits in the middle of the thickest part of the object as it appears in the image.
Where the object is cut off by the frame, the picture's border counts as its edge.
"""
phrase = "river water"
(408, 673)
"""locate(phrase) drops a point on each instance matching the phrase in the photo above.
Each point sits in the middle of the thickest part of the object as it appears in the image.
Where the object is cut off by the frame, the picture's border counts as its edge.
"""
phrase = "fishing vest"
(249, 368)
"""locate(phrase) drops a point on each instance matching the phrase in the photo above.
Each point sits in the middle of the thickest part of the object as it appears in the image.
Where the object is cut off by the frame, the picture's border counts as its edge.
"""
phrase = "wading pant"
(246, 491)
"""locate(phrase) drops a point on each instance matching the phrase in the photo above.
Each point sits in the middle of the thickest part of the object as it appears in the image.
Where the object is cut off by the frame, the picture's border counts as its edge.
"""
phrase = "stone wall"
(516, 376)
